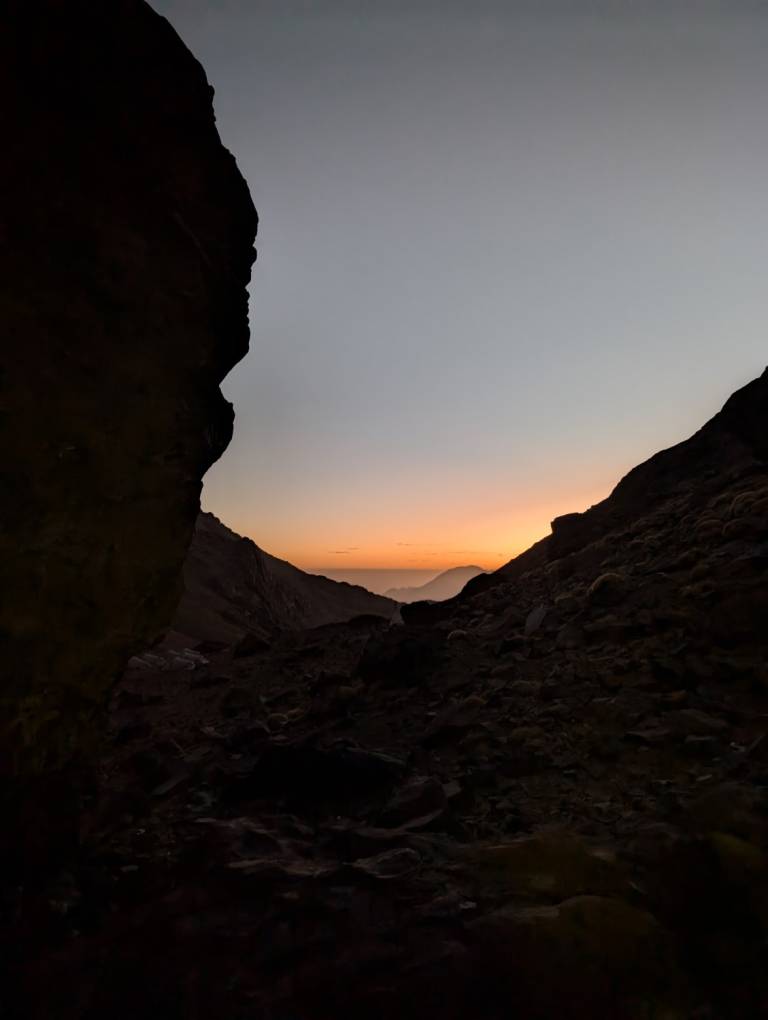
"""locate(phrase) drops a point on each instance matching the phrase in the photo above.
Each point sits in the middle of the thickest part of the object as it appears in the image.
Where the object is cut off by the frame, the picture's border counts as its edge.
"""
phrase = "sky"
(506, 251)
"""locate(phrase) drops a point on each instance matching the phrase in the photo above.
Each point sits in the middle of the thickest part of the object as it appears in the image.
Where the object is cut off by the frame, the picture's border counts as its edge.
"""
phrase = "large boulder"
(588, 956)
(127, 243)
(547, 866)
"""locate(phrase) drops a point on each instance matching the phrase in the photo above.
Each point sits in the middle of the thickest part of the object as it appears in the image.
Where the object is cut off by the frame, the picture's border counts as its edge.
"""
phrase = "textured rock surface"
(127, 243)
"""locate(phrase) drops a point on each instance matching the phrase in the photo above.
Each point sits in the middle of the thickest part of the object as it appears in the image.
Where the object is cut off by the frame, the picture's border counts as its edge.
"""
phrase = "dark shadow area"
(234, 790)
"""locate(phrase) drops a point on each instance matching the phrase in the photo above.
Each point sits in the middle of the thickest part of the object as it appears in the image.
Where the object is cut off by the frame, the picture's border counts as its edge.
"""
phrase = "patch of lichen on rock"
(123, 307)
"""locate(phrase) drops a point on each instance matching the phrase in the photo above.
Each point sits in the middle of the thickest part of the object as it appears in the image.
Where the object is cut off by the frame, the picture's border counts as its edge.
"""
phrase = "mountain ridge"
(233, 587)
(735, 432)
(444, 586)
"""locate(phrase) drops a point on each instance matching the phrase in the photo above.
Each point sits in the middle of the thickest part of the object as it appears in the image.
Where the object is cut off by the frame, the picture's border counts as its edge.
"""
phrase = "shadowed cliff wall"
(126, 238)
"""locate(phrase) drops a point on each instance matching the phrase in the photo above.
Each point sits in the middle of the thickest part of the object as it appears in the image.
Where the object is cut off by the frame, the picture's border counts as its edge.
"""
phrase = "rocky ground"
(547, 801)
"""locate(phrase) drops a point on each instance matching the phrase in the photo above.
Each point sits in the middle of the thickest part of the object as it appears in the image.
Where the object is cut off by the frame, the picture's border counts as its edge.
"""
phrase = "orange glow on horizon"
(456, 536)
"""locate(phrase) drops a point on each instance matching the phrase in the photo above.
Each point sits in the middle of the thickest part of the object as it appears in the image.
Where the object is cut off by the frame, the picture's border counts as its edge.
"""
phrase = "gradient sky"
(506, 252)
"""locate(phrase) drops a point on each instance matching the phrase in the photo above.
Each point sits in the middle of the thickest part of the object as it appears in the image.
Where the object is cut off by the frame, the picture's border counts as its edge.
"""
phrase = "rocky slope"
(549, 802)
(734, 440)
(444, 586)
(232, 588)
(127, 242)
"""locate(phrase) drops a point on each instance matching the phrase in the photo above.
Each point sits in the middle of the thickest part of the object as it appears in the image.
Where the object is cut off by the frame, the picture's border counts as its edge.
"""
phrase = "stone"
(608, 589)
(547, 866)
(180, 775)
(708, 528)
(522, 688)
(714, 883)
(401, 658)
(250, 644)
(373, 835)
(389, 864)
(248, 735)
(421, 796)
(534, 620)
(648, 736)
(506, 671)
(236, 701)
(742, 503)
(569, 636)
(527, 734)
(745, 528)
(587, 956)
(512, 643)
(745, 867)
(733, 808)
(243, 836)
(566, 604)
(454, 719)
(457, 635)
(270, 869)
(446, 907)
(128, 243)
(208, 680)
(702, 746)
(694, 722)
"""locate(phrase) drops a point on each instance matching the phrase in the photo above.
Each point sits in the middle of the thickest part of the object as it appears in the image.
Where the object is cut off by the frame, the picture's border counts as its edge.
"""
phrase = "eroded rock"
(128, 242)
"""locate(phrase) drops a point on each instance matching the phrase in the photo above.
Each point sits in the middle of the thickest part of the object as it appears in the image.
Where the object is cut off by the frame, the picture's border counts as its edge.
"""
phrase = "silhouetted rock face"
(733, 441)
(233, 588)
(732, 444)
(127, 235)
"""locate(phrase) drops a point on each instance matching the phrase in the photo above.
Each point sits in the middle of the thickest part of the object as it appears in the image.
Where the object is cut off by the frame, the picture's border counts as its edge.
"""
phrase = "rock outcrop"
(127, 243)
(234, 590)
(732, 444)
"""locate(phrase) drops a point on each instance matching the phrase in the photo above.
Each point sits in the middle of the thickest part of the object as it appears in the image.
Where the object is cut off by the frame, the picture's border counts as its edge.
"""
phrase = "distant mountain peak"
(447, 584)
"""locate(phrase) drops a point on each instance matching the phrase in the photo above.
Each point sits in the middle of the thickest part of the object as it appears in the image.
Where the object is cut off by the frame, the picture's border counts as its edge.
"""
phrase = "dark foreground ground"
(544, 799)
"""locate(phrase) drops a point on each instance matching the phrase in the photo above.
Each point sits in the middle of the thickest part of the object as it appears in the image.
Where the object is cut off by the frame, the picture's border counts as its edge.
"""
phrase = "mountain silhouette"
(232, 587)
(444, 586)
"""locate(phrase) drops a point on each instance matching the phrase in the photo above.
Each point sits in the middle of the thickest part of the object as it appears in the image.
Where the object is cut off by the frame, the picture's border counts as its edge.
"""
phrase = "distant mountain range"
(444, 586)
(232, 587)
